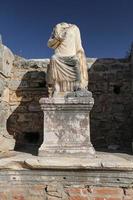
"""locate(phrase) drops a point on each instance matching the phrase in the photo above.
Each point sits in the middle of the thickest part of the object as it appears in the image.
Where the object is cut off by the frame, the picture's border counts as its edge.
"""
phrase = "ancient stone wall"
(34, 186)
(111, 117)
(58, 192)
(22, 84)
(6, 63)
(27, 85)
(110, 80)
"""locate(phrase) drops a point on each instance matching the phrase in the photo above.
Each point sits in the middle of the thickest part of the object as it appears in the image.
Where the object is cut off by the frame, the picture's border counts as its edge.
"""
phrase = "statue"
(66, 110)
(67, 70)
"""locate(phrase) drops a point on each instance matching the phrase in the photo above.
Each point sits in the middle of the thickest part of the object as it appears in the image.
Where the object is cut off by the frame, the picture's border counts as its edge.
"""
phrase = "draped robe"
(68, 65)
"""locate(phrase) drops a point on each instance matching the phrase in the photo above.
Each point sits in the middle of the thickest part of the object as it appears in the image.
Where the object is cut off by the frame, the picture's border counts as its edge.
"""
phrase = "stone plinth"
(67, 125)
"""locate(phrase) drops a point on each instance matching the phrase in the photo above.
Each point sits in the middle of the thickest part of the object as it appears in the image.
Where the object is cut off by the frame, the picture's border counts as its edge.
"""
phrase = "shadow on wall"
(26, 121)
(111, 116)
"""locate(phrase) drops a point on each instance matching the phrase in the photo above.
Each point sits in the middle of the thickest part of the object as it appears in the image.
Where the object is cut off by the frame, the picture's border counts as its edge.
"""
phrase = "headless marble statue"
(67, 70)
(66, 112)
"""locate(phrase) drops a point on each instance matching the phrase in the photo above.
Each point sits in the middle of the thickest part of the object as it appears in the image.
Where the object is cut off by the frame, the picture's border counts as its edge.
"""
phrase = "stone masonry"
(22, 186)
(29, 177)
(111, 119)
(24, 82)
(59, 192)
(6, 62)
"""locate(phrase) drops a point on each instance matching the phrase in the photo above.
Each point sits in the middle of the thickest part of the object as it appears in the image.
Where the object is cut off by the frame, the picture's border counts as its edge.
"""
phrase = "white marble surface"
(107, 161)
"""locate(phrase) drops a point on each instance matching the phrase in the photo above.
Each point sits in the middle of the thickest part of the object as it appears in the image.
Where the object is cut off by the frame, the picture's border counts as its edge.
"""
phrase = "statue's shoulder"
(75, 27)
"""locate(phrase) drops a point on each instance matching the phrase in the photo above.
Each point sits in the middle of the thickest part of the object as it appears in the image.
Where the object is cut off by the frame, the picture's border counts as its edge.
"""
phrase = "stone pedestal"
(67, 126)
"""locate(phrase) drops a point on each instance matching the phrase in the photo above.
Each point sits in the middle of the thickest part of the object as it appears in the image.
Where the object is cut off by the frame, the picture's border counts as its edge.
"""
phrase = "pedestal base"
(66, 126)
(48, 153)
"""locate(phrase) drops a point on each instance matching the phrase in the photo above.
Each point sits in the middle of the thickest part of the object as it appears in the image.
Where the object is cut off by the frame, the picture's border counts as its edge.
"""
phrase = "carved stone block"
(66, 126)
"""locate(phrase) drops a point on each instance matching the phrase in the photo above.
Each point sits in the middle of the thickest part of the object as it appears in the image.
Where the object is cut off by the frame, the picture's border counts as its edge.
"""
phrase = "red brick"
(106, 191)
(49, 198)
(78, 198)
(115, 198)
(106, 198)
(18, 197)
(74, 190)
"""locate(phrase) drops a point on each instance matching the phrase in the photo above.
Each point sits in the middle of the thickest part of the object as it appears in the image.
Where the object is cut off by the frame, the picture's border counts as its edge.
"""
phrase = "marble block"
(67, 125)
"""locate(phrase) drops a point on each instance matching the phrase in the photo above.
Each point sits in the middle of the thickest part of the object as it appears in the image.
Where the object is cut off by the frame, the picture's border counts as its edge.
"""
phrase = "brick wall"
(64, 184)
(59, 192)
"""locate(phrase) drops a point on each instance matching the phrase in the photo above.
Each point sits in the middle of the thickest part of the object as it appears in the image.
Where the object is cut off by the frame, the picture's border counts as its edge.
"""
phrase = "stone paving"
(101, 160)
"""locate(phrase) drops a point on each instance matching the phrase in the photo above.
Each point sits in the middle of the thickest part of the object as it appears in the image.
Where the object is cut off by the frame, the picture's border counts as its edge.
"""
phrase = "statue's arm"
(54, 41)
